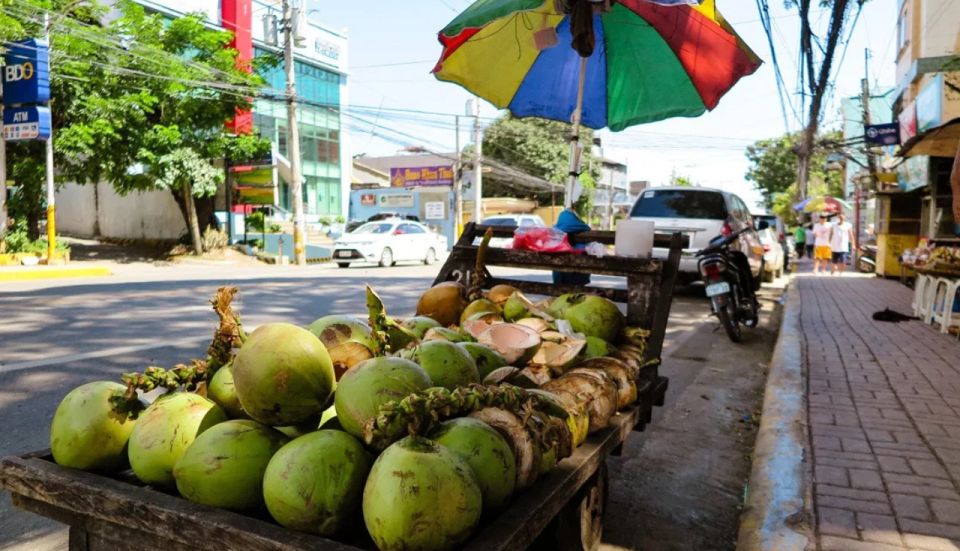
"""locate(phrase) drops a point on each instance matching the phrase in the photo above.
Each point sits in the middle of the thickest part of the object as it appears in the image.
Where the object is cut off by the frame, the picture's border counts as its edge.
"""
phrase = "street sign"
(26, 72)
(26, 123)
(882, 134)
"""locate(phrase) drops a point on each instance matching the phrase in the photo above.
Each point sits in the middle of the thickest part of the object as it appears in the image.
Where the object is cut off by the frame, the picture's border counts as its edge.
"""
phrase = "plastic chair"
(928, 300)
(945, 297)
(919, 288)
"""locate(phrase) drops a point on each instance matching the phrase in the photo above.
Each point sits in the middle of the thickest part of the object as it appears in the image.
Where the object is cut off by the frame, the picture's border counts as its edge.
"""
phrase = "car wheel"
(386, 258)
(431, 257)
(343, 264)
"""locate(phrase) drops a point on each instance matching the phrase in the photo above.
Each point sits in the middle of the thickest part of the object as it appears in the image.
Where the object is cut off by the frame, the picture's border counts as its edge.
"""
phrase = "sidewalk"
(883, 406)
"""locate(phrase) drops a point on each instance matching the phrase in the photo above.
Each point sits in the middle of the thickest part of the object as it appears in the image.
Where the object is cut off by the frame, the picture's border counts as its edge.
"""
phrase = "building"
(321, 61)
(927, 109)
(613, 176)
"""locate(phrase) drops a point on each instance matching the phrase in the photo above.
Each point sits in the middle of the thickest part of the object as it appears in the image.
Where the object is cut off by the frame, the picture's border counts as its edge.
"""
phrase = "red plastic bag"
(542, 240)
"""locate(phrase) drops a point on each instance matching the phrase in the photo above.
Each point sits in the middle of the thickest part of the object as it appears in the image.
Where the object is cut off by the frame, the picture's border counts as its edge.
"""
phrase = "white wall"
(145, 215)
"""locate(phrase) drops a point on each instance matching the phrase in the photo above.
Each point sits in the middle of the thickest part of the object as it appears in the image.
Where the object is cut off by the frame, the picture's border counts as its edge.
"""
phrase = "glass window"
(374, 228)
(411, 228)
(680, 204)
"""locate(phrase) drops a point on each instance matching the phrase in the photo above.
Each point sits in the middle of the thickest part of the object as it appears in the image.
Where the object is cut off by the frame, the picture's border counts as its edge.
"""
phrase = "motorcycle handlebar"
(724, 242)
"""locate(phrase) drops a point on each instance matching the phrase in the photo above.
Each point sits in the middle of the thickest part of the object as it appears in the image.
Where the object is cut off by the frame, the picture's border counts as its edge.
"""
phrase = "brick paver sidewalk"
(884, 413)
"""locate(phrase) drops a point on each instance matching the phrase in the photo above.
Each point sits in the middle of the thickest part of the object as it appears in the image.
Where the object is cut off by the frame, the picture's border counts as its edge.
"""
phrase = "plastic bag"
(542, 240)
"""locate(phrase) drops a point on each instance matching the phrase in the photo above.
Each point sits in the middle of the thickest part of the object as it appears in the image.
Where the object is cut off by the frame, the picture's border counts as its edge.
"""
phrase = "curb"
(53, 273)
(776, 512)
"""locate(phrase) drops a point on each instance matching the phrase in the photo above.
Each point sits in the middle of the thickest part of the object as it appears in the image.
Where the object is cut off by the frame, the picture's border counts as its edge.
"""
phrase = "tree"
(679, 180)
(540, 147)
(132, 94)
(817, 79)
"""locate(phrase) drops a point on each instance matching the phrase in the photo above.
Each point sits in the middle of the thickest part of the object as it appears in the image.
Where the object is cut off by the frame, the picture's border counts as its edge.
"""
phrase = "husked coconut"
(525, 450)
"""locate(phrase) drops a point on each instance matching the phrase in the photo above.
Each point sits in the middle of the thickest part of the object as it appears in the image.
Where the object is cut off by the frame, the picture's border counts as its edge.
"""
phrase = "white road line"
(116, 351)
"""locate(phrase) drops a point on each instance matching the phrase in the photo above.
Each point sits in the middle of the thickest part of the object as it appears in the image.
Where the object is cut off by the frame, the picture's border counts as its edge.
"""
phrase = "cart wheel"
(579, 525)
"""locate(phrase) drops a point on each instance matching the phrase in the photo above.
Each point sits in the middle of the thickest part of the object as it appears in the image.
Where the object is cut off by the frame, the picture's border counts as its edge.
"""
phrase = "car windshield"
(680, 204)
(378, 228)
(771, 220)
(503, 221)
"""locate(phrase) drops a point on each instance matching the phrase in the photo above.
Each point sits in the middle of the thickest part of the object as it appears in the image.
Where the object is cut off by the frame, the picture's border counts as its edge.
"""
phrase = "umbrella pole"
(575, 147)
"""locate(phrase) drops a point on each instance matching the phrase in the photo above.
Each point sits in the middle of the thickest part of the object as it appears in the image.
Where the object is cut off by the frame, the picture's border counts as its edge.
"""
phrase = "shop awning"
(939, 142)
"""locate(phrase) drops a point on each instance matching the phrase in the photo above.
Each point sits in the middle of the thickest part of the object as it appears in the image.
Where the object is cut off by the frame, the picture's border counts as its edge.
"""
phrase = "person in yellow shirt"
(822, 252)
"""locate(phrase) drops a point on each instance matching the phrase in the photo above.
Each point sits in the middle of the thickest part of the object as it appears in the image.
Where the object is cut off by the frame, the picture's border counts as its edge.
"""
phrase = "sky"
(393, 47)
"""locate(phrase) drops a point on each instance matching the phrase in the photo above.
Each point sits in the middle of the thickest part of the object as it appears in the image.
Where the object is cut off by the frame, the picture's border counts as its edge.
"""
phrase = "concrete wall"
(140, 215)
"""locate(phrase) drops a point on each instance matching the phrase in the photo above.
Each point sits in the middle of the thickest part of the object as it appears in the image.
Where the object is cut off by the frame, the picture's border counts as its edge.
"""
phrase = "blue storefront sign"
(26, 123)
(882, 134)
(26, 73)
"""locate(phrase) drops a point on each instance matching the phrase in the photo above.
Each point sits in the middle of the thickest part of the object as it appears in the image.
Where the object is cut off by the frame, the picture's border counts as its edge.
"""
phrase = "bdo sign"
(26, 73)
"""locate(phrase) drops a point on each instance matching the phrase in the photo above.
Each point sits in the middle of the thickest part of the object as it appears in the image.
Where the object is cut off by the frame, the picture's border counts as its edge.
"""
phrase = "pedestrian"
(841, 238)
(821, 244)
(809, 240)
(800, 240)
(570, 223)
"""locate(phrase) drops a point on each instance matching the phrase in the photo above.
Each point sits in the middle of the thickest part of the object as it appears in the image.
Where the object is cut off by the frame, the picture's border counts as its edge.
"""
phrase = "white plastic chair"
(919, 288)
(945, 295)
(928, 300)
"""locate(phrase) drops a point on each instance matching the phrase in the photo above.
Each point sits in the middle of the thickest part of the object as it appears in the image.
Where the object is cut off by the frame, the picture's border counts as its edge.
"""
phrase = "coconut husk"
(500, 375)
(626, 385)
(526, 450)
(558, 356)
(531, 377)
(578, 420)
(597, 395)
(602, 363)
(499, 294)
(537, 324)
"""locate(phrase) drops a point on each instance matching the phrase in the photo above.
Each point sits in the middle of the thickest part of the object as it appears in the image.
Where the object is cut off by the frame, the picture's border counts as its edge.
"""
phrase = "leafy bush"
(254, 222)
(341, 219)
(17, 241)
(274, 228)
(325, 221)
(214, 240)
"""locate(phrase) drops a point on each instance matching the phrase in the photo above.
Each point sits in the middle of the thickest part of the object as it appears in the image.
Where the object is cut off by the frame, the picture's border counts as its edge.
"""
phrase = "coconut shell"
(443, 302)
(626, 386)
(537, 324)
(592, 388)
(526, 452)
(603, 363)
(516, 343)
(531, 377)
(500, 376)
(499, 294)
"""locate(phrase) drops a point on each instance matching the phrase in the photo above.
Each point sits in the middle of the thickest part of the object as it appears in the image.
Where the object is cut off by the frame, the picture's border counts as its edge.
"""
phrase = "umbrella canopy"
(646, 60)
(823, 203)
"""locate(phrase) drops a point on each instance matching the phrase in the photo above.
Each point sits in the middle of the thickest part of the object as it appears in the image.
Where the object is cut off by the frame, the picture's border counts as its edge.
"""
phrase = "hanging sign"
(26, 73)
(26, 123)
(882, 134)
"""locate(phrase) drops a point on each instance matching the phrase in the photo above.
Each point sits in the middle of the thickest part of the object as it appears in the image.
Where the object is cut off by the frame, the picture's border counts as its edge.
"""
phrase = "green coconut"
(447, 364)
(447, 334)
(223, 392)
(486, 358)
(300, 429)
(488, 455)
(515, 309)
(592, 315)
(315, 483)
(371, 384)
(420, 325)
(420, 495)
(416, 327)
(224, 467)
(597, 348)
(86, 433)
(283, 375)
(558, 306)
(164, 432)
(348, 340)
(481, 309)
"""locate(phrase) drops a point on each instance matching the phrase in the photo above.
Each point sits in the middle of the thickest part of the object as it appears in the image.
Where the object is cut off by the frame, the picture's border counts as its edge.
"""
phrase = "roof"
(941, 141)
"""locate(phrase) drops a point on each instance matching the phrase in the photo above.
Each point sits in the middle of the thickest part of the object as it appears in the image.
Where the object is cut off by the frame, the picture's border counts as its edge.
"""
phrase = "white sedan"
(388, 241)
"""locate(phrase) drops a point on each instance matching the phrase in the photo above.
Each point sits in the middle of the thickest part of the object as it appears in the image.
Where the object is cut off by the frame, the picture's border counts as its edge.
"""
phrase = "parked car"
(701, 214)
(388, 241)
(354, 224)
(774, 255)
(512, 220)
(779, 230)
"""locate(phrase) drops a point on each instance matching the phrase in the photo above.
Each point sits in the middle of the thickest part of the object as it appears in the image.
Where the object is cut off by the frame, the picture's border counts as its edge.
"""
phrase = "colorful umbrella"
(823, 203)
(632, 61)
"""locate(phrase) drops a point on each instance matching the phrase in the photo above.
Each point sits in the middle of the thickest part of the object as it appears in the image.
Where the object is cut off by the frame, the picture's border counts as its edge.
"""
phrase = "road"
(55, 336)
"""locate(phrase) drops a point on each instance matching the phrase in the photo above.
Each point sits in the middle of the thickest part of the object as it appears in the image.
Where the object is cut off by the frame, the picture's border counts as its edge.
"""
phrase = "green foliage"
(254, 222)
(676, 179)
(774, 165)
(340, 219)
(18, 240)
(183, 165)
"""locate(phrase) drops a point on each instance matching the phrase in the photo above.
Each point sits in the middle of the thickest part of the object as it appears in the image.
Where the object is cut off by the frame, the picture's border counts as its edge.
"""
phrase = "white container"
(634, 238)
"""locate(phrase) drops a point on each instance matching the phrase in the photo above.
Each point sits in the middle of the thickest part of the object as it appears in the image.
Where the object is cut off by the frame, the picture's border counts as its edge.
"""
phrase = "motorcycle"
(867, 263)
(729, 284)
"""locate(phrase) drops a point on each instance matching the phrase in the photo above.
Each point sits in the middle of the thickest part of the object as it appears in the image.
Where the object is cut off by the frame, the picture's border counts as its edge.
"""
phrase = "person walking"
(821, 244)
(800, 240)
(841, 237)
(809, 240)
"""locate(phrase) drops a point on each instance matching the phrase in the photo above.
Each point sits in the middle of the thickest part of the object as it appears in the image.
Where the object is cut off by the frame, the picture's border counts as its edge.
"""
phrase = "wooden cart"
(563, 510)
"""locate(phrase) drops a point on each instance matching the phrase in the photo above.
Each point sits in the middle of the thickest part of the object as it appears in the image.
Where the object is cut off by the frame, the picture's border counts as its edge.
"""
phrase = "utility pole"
(3, 177)
(610, 203)
(457, 185)
(871, 160)
(293, 133)
(477, 164)
(51, 191)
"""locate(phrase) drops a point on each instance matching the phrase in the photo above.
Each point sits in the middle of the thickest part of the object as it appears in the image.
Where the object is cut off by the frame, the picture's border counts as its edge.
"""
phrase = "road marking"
(116, 351)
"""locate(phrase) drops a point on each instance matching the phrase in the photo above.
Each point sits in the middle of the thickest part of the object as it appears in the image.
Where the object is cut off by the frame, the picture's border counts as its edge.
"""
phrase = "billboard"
(26, 72)
(421, 176)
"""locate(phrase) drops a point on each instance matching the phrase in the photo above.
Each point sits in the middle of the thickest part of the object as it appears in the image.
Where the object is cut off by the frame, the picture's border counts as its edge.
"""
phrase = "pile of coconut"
(471, 400)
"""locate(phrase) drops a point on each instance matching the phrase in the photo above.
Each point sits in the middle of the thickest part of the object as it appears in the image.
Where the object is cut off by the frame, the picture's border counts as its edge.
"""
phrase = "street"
(686, 470)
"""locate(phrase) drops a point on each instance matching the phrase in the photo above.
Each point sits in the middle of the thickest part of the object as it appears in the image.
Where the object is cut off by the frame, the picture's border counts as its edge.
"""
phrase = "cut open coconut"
(516, 343)
(558, 356)
(525, 450)
(477, 327)
(537, 324)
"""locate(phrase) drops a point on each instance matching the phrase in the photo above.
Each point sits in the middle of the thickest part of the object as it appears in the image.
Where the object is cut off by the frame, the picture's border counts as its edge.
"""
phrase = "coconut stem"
(382, 324)
(479, 276)
(229, 334)
(419, 413)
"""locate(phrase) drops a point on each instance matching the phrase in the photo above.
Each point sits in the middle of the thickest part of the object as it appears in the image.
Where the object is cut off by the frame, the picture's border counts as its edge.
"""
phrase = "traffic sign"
(26, 123)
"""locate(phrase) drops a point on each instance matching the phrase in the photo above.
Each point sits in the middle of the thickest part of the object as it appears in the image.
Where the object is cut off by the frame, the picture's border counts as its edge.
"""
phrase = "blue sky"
(393, 47)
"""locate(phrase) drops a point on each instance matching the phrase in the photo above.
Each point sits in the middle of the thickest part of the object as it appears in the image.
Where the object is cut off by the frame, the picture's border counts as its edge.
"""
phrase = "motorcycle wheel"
(727, 312)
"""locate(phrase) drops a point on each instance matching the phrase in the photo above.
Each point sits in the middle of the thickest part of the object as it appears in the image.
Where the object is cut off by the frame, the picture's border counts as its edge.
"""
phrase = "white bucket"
(634, 238)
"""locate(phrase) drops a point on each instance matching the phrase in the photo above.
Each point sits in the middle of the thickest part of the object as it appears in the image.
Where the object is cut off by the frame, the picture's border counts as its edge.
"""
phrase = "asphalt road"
(55, 336)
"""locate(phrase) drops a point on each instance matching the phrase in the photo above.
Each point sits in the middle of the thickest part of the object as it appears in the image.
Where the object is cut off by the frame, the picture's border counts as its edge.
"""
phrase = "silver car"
(700, 214)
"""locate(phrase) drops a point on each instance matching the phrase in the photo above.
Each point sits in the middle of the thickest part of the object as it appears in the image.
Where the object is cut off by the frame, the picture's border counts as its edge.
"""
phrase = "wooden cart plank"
(532, 511)
(143, 510)
(569, 262)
